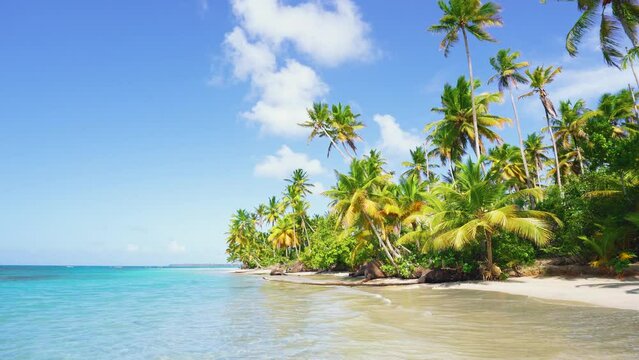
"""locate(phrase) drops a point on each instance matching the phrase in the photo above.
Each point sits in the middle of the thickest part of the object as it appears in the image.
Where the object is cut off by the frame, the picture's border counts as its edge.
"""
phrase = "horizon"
(131, 133)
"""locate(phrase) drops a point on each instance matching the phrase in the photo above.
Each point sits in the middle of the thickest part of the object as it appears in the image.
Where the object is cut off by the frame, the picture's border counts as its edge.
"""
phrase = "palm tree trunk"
(335, 145)
(539, 169)
(472, 93)
(489, 251)
(521, 141)
(634, 73)
(554, 149)
(381, 242)
(452, 172)
(581, 161)
(427, 173)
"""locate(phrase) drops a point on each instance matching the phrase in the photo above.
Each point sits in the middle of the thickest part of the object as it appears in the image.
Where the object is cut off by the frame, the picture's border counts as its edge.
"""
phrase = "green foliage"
(594, 207)
(328, 248)
(512, 251)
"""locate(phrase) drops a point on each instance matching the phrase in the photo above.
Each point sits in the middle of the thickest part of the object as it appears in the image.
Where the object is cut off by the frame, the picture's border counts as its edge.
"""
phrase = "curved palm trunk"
(452, 170)
(472, 93)
(554, 149)
(521, 141)
(381, 242)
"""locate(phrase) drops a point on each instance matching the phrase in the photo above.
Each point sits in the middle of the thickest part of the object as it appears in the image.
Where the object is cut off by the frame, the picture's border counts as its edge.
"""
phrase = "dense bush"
(329, 249)
(511, 251)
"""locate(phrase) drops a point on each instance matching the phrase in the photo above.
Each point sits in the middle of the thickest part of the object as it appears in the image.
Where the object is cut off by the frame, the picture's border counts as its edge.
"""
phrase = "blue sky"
(131, 130)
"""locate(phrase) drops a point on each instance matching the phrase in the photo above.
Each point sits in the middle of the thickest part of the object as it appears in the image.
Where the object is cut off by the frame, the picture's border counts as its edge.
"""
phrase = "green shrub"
(511, 251)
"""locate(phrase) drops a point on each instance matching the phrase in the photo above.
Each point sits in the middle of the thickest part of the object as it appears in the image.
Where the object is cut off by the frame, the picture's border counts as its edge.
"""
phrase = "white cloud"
(394, 140)
(318, 188)
(176, 248)
(248, 58)
(589, 84)
(285, 160)
(285, 96)
(132, 248)
(329, 35)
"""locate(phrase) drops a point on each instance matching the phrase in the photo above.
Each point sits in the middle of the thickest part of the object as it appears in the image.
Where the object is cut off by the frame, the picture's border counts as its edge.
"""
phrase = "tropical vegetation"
(465, 199)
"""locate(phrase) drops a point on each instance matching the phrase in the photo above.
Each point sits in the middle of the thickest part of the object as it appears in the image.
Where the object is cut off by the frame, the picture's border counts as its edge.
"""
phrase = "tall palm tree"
(624, 15)
(465, 122)
(508, 76)
(466, 16)
(570, 127)
(447, 146)
(539, 79)
(321, 124)
(479, 206)
(536, 153)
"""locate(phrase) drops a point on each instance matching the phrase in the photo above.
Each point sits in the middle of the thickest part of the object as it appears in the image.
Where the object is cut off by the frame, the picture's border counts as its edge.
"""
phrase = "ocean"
(210, 313)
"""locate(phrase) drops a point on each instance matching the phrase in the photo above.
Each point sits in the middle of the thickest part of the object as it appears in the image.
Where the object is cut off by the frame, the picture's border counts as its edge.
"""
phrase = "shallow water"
(161, 313)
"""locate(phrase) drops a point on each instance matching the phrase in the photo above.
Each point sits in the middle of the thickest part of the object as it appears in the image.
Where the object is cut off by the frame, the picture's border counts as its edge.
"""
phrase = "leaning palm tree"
(466, 16)
(570, 127)
(467, 122)
(479, 206)
(355, 200)
(508, 76)
(624, 15)
(539, 79)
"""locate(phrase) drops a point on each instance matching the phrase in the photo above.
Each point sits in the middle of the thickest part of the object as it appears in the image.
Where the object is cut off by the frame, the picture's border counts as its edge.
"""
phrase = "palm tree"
(570, 127)
(508, 76)
(629, 59)
(536, 153)
(346, 125)
(274, 210)
(462, 121)
(447, 146)
(539, 78)
(624, 15)
(479, 206)
(284, 233)
(467, 16)
(616, 108)
(506, 163)
(418, 164)
(322, 126)
(355, 201)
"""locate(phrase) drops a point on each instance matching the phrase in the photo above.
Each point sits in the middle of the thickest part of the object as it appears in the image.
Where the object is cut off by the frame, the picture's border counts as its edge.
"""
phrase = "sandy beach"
(606, 292)
(612, 293)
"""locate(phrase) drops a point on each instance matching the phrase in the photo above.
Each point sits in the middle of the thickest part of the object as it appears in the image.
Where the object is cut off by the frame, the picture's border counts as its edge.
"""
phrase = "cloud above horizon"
(328, 33)
(285, 160)
(393, 139)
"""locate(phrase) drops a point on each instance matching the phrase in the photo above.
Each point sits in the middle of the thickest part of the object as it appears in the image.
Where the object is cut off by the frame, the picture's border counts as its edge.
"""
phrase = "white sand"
(620, 294)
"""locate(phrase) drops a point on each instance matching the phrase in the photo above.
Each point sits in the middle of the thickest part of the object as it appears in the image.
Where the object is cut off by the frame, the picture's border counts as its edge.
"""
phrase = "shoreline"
(596, 291)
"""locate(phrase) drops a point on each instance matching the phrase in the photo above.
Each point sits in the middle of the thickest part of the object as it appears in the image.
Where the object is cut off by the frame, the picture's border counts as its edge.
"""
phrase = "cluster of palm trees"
(470, 202)
(277, 225)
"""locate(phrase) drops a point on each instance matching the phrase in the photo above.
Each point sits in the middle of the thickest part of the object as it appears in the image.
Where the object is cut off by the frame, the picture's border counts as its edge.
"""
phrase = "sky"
(130, 131)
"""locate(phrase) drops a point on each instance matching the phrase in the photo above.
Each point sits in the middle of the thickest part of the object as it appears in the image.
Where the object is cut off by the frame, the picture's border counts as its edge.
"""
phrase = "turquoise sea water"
(196, 313)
